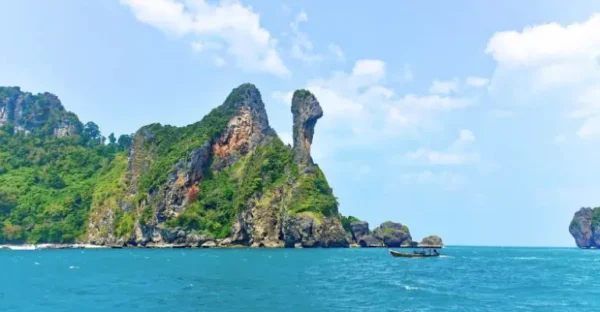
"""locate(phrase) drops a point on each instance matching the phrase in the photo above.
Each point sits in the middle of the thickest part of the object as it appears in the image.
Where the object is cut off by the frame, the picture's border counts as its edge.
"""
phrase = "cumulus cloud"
(444, 86)
(302, 47)
(227, 23)
(477, 81)
(555, 59)
(360, 103)
(547, 44)
(456, 154)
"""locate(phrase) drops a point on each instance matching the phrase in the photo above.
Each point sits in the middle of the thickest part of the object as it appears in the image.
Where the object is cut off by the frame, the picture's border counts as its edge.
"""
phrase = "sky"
(475, 121)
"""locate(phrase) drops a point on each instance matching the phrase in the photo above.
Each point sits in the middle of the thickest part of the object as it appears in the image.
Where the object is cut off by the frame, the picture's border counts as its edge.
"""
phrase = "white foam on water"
(409, 288)
(36, 263)
(73, 267)
(527, 258)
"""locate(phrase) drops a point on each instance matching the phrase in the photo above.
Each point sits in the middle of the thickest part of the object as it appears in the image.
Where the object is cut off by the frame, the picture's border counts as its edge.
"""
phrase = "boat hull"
(410, 255)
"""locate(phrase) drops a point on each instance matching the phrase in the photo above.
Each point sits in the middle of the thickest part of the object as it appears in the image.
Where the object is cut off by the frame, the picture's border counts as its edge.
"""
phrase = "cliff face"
(42, 113)
(306, 111)
(585, 228)
(226, 180)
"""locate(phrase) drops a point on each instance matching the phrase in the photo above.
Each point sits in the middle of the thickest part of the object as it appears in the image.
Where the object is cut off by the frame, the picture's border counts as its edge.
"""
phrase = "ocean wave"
(409, 288)
(74, 267)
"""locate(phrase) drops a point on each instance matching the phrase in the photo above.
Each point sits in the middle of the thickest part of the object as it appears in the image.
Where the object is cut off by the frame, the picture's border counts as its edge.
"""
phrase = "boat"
(398, 254)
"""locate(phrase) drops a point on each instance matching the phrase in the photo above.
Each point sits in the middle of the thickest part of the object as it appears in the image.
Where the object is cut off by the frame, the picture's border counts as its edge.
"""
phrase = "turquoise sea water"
(465, 279)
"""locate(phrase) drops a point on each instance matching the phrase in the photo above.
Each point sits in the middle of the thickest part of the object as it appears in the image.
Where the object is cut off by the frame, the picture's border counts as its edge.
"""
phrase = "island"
(585, 227)
(224, 181)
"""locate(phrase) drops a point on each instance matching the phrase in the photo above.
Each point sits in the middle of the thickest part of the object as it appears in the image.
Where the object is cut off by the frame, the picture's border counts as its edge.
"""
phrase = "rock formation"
(42, 113)
(262, 184)
(393, 234)
(431, 241)
(306, 111)
(225, 181)
(585, 228)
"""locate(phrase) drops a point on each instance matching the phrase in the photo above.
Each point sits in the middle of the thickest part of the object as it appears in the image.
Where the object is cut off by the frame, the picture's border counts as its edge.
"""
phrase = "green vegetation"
(596, 216)
(347, 221)
(169, 144)
(51, 187)
(270, 168)
(314, 194)
(46, 185)
(301, 94)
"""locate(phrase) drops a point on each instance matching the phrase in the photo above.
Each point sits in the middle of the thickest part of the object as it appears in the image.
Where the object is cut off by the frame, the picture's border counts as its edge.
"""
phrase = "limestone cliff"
(585, 228)
(226, 180)
(306, 111)
(41, 114)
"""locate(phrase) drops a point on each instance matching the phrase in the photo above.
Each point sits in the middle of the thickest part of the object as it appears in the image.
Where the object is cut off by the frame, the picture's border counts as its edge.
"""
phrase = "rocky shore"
(387, 235)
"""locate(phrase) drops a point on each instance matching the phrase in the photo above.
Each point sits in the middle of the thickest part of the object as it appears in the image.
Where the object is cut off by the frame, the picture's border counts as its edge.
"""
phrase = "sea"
(462, 279)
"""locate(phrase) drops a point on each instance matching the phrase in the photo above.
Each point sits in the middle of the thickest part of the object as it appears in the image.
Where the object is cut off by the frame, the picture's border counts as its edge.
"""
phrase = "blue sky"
(475, 121)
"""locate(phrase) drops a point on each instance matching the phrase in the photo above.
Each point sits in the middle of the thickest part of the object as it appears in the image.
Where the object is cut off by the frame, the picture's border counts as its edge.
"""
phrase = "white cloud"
(337, 51)
(547, 44)
(590, 128)
(201, 46)
(302, 47)
(219, 61)
(456, 154)
(465, 137)
(477, 81)
(369, 68)
(439, 158)
(555, 60)
(235, 25)
(360, 105)
(444, 87)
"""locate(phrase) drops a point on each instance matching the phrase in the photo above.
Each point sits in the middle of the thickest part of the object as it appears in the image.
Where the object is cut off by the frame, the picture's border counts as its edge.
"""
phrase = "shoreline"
(169, 246)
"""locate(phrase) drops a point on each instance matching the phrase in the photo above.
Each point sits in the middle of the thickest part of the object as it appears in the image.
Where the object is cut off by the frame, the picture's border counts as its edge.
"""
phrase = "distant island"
(225, 181)
(585, 227)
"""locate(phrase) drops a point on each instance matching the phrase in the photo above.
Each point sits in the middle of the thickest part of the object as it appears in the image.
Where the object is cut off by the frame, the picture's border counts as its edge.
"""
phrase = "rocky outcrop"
(388, 234)
(42, 113)
(182, 185)
(359, 229)
(64, 129)
(3, 115)
(431, 241)
(393, 234)
(306, 111)
(307, 232)
(248, 128)
(585, 228)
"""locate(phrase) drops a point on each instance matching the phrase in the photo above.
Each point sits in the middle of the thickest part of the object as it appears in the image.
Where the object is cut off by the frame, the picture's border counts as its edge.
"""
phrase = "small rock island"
(585, 227)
